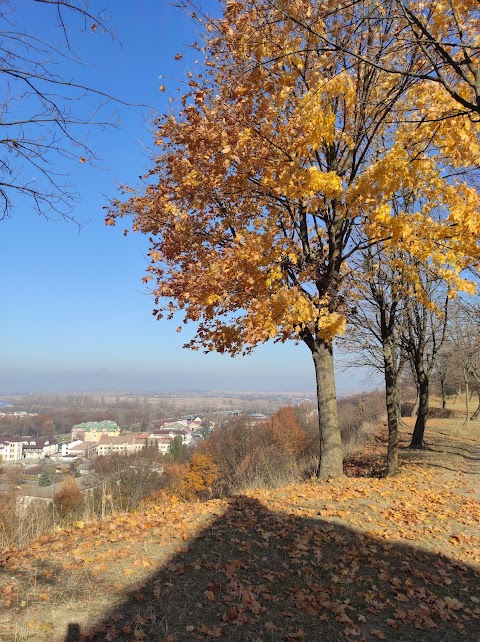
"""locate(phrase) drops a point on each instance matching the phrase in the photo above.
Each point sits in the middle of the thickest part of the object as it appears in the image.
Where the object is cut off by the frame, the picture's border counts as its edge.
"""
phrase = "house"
(67, 445)
(163, 444)
(175, 423)
(39, 448)
(11, 448)
(83, 450)
(194, 422)
(93, 430)
(123, 445)
(171, 433)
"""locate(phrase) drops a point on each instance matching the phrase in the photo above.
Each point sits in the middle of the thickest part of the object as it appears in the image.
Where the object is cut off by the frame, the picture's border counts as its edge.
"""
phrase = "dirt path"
(452, 449)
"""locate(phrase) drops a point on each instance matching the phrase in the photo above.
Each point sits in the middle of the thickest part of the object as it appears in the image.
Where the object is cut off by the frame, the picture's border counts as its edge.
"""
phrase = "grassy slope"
(356, 559)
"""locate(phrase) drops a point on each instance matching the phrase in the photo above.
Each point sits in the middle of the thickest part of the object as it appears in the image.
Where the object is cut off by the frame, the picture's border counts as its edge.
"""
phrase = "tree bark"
(421, 422)
(391, 396)
(477, 411)
(467, 399)
(416, 405)
(331, 456)
(443, 392)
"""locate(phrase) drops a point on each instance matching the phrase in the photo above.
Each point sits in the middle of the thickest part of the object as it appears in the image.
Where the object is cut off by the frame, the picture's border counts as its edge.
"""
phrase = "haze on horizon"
(19, 381)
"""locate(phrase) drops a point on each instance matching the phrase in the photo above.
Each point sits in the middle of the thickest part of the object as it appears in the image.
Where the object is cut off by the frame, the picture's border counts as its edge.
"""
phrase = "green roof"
(98, 426)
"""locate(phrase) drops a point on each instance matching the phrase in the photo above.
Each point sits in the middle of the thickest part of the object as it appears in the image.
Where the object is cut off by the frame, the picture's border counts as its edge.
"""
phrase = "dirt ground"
(356, 559)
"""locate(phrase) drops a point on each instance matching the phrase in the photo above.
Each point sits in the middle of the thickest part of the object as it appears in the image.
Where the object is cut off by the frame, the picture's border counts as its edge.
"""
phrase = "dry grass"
(358, 559)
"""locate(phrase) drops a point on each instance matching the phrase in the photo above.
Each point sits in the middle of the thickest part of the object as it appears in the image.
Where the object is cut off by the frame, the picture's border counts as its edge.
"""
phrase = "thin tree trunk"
(416, 405)
(331, 456)
(477, 411)
(391, 396)
(444, 393)
(467, 400)
(420, 424)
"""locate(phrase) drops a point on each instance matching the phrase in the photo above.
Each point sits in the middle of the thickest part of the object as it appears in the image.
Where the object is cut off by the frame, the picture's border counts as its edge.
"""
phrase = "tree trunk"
(391, 395)
(420, 424)
(444, 392)
(467, 400)
(331, 456)
(477, 411)
(416, 405)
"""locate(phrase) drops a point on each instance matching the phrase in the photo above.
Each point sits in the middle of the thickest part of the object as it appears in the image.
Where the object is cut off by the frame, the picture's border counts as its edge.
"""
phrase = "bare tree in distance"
(463, 350)
(44, 112)
(425, 320)
(374, 330)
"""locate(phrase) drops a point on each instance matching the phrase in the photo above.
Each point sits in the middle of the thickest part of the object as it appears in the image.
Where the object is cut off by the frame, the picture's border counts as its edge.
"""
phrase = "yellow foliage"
(273, 176)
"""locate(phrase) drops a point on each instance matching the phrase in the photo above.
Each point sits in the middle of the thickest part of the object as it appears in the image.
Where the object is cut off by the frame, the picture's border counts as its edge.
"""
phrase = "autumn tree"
(442, 37)
(279, 166)
(193, 479)
(446, 33)
(286, 431)
(462, 351)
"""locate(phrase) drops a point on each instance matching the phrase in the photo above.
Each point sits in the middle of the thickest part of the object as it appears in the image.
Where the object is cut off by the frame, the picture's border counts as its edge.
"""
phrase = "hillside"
(356, 559)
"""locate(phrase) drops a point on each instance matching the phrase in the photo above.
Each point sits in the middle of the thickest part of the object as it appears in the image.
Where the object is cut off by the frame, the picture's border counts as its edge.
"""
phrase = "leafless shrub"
(267, 454)
(68, 500)
(359, 417)
(23, 519)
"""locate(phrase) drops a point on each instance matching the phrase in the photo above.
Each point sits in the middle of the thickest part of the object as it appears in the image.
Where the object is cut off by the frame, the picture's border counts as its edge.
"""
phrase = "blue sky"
(75, 314)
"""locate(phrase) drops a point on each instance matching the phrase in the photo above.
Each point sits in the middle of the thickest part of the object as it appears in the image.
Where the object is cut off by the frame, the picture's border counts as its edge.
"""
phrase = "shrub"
(68, 500)
(23, 519)
(406, 410)
(194, 479)
(359, 417)
(261, 455)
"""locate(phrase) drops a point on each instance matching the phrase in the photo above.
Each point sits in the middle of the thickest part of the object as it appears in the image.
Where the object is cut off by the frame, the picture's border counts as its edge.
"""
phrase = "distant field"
(171, 403)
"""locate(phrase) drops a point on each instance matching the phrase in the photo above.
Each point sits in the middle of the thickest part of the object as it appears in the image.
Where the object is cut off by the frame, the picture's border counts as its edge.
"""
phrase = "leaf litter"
(355, 559)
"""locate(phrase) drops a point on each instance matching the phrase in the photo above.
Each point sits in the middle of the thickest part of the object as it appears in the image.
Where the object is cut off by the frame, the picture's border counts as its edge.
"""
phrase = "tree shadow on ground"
(258, 575)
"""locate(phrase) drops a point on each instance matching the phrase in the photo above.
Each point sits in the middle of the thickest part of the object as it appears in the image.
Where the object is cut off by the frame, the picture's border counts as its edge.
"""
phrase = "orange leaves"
(294, 563)
(380, 635)
(143, 563)
(192, 479)
(212, 632)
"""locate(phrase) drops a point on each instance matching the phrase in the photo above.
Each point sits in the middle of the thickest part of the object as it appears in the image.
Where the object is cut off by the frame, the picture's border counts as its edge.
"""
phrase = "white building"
(163, 443)
(171, 433)
(83, 450)
(123, 444)
(11, 449)
(65, 447)
(39, 448)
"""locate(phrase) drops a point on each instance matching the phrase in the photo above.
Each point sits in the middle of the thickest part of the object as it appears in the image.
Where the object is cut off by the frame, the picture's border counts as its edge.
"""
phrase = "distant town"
(103, 438)
(44, 438)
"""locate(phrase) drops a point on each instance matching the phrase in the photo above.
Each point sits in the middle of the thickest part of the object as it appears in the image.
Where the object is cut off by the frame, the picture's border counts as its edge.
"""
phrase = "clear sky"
(74, 312)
